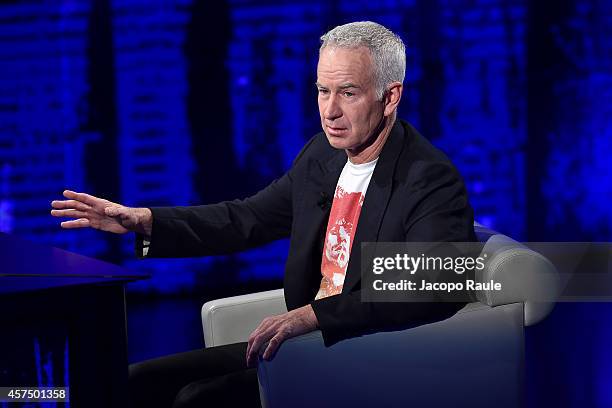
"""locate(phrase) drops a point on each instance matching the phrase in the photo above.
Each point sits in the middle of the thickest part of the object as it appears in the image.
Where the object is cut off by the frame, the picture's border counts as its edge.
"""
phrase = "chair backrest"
(525, 275)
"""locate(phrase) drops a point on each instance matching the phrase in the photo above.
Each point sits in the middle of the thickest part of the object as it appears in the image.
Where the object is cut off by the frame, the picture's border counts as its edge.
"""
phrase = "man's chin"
(337, 142)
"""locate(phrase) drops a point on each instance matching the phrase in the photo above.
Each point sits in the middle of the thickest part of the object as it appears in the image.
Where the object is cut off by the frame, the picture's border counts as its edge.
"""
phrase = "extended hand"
(94, 212)
(277, 329)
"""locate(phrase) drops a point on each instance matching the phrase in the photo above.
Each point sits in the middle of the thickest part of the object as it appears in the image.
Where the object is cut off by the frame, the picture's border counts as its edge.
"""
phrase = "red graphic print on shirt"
(338, 240)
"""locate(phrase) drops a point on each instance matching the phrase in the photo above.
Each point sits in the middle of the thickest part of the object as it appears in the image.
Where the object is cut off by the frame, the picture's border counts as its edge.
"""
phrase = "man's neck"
(371, 152)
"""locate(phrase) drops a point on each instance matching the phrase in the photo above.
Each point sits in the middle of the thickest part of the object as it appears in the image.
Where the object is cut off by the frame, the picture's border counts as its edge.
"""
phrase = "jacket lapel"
(316, 201)
(375, 203)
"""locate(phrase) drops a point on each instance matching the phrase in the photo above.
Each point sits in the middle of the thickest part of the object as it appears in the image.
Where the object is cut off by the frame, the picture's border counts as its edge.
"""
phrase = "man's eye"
(323, 91)
(348, 94)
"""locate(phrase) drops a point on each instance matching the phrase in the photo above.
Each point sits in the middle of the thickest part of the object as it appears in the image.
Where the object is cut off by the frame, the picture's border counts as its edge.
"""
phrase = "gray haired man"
(367, 177)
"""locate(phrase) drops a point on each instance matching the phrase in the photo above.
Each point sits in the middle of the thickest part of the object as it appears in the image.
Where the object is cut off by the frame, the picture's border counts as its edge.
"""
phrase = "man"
(367, 177)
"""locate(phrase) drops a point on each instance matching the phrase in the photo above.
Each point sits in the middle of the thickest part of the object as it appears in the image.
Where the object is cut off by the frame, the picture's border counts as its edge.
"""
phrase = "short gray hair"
(387, 49)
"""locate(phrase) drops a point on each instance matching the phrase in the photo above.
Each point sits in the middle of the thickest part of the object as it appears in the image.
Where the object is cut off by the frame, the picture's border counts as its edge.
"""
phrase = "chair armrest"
(470, 359)
(232, 319)
(525, 275)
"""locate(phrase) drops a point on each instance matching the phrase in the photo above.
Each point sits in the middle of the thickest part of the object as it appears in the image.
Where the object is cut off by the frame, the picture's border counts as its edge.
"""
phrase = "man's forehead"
(345, 67)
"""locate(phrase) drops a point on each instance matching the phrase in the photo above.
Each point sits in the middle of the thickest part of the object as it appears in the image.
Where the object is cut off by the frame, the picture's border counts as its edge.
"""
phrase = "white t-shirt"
(344, 216)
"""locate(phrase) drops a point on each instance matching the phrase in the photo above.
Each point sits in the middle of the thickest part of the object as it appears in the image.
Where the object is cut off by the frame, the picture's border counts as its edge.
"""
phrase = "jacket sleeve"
(226, 227)
(438, 212)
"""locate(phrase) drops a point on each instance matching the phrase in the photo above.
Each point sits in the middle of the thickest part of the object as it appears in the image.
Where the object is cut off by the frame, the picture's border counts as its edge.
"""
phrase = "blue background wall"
(187, 102)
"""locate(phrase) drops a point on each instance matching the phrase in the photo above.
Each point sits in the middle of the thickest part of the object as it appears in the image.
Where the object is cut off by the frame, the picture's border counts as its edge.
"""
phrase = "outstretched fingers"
(69, 204)
(69, 213)
(82, 197)
(80, 223)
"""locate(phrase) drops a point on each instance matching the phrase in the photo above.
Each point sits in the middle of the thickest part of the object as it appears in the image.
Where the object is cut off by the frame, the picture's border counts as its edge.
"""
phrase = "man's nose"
(332, 109)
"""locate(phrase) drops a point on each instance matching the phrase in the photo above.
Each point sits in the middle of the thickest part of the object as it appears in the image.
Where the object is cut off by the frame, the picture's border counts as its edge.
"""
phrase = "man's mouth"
(335, 131)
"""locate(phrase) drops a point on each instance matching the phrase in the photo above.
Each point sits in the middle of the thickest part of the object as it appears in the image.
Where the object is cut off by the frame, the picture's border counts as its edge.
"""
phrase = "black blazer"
(415, 194)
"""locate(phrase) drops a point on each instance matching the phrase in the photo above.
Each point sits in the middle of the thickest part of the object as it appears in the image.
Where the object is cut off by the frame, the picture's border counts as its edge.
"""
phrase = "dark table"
(62, 322)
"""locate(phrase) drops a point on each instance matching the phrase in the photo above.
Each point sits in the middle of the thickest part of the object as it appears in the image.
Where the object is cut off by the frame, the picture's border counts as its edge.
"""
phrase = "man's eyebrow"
(343, 86)
(349, 85)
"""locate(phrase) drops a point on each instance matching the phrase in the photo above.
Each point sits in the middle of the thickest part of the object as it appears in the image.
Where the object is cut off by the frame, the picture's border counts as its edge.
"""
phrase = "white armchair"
(473, 359)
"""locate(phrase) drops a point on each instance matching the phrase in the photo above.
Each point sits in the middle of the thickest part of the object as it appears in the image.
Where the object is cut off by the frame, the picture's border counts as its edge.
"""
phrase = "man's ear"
(392, 97)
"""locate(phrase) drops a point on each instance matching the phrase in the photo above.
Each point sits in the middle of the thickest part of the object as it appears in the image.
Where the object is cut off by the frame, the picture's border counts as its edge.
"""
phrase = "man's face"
(350, 112)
